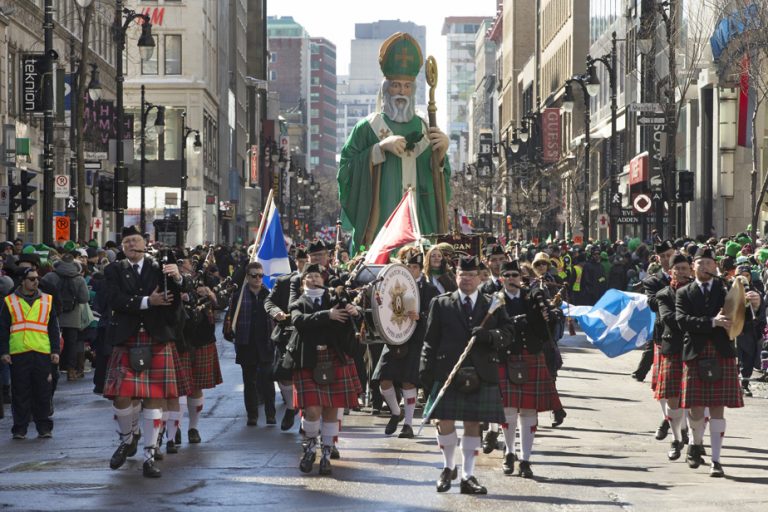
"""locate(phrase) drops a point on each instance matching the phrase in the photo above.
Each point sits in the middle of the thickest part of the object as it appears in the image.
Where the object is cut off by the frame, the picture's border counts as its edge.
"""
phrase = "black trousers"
(72, 346)
(646, 360)
(102, 350)
(257, 383)
(31, 391)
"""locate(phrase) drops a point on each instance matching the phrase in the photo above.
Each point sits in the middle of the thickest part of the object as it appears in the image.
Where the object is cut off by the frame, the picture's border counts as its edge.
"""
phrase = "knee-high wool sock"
(390, 396)
(663, 405)
(676, 417)
(136, 418)
(311, 428)
(716, 435)
(153, 421)
(470, 447)
(409, 397)
(509, 429)
(697, 430)
(329, 432)
(194, 408)
(528, 421)
(124, 420)
(447, 444)
(172, 425)
(287, 392)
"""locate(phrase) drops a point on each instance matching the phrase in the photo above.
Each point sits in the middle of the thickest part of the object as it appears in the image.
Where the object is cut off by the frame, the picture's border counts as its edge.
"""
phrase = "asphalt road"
(604, 457)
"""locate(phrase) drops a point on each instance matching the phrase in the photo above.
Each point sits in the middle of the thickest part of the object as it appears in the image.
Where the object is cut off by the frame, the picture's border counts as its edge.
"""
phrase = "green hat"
(633, 244)
(744, 240)
(762, 255)
(732, 249)
(400, 57)
(93, 243)
(70, 246)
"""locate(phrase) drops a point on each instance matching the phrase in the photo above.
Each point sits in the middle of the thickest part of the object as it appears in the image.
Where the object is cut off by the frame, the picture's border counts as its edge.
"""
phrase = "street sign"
(642, 203)
(61, 186)
(95, 155)
(603, 220)
(627, 217)
(646, 107)
(92, 164)
(656, 196)
(5, 202)
(97, 224)
(61, 225)
(651, 120)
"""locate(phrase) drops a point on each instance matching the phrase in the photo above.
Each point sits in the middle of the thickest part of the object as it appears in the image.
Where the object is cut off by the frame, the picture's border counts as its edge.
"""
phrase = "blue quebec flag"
(272, 253)
(617, 324)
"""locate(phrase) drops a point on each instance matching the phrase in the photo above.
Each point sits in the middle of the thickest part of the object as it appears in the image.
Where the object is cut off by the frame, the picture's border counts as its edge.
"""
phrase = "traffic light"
(24, 190)
(685, 186)
(106, 194)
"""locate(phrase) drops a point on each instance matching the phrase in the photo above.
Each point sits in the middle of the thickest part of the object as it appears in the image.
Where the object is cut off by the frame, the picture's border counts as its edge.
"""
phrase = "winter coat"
(61, 270)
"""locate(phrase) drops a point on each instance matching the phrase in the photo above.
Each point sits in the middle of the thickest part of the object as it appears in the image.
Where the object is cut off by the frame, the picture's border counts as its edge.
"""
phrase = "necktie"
(136, 269)
(317, 302)
(705, 290)
(467, 306)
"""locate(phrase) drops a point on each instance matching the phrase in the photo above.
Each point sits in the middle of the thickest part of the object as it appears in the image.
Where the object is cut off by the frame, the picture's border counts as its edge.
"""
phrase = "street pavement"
(604, 457)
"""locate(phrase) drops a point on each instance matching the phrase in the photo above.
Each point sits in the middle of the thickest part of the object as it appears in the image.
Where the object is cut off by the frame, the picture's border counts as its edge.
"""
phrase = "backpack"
(66, 292)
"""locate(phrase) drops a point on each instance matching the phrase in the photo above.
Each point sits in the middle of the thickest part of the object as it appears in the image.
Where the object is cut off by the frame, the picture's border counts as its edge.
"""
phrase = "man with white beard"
(391, 150)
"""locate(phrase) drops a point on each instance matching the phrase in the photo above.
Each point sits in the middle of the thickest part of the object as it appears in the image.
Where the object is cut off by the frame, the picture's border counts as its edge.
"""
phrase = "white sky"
(335, 20)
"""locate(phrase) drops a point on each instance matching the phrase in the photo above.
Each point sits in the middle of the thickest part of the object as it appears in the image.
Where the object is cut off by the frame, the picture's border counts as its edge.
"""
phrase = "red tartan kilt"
(160, 380)
(201, 365)
(656, 366)
(342, 392)
(670, 377)
(538, 392)
(724, 392)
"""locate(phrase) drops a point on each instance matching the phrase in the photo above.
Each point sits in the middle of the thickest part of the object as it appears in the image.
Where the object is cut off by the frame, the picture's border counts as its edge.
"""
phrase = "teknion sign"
(32, 82)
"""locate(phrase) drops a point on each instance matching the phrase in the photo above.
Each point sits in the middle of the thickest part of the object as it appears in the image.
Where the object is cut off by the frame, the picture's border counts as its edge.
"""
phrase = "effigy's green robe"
(368, 192)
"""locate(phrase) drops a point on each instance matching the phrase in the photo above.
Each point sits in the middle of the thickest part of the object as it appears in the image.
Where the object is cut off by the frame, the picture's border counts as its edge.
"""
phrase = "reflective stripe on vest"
(577, 283)
(29, 324)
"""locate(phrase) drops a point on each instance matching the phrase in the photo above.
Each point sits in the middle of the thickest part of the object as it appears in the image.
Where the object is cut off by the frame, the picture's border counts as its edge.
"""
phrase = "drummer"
(399, 364)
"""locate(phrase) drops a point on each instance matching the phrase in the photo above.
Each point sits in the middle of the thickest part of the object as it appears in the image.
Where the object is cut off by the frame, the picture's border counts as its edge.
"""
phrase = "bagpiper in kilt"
(473, 396)
(670, 353)
(319, 352)
(400, 364)
(652, 285)
(710, 371)
(145, 301)
(527, 387)
(198, 355)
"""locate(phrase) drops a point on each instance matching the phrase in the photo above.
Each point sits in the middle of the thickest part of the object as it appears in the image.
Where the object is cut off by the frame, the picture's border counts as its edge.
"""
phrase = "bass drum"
(390, 292)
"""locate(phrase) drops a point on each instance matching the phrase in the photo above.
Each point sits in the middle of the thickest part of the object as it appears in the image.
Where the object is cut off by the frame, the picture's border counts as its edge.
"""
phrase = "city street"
(603, 457)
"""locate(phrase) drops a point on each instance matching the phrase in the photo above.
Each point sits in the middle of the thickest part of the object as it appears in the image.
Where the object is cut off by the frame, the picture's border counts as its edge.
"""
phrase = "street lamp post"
(50, 56)
(196, 146)
(589, 89)
(146, 46)
(146, 108)
(609, 61)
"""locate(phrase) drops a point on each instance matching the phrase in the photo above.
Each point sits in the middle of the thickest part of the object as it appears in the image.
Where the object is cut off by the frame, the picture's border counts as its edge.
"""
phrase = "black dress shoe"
(685, 439)
(158, 454)
(406, 432)
(490, 440)
(134, 446)
(288, 419)
(638, 377)
(675, 449)
(177, 438)
(118, 458)
(193, 436)
(149, 470)
(693, 457)
(271, 420)
(335, 455)
(662, 431)
(308, 459)
(252, 421)
(392, 424)
(171, 448)
(560, 415)
(325, 461)
(525, 469)
(444, 482)
(716, 470)
(508, 466)
(471, 486)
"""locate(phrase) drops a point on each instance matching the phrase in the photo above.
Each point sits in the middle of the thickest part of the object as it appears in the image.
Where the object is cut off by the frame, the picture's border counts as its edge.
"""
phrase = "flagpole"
(262, 224)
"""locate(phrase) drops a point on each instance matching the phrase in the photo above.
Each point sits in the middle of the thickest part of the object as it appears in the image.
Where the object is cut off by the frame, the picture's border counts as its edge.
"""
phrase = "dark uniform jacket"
(489, 287)
(448, 332)
(694, 316)
(651, 286)
(530, 328)
(313, 327)
(331, 278)
(276, 303)
(125, 291)
(666, 327)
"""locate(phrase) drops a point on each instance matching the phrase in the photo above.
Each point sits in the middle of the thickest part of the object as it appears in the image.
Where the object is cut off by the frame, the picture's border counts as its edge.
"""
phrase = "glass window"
(149, 67)
(172, 54)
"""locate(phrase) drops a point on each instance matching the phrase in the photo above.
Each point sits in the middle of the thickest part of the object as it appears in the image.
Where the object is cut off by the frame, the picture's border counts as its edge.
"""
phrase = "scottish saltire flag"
(272, 253)
(617, 324)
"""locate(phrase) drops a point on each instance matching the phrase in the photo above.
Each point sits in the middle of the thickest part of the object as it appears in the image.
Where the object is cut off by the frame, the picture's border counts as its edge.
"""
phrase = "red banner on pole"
(254, 174)
(551, 135)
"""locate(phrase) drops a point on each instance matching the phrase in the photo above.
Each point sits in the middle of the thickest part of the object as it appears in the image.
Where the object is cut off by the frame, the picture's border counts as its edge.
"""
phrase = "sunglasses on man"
(255, 276)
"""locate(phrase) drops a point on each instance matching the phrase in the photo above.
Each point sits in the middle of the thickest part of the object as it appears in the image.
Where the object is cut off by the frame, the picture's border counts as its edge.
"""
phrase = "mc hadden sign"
(32, 66)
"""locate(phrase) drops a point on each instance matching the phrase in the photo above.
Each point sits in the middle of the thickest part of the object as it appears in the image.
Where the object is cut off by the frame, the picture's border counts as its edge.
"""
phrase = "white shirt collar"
(701, 284)
(511, 295)
(140, 263)
(472, 297)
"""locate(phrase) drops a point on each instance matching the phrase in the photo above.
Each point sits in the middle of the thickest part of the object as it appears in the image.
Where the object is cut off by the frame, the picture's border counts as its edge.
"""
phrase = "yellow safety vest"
(577, 283)
(29, 324)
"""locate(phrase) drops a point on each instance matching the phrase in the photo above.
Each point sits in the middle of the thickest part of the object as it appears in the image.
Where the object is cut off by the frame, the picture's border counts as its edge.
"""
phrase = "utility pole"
(50, 56)
(669, 178)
